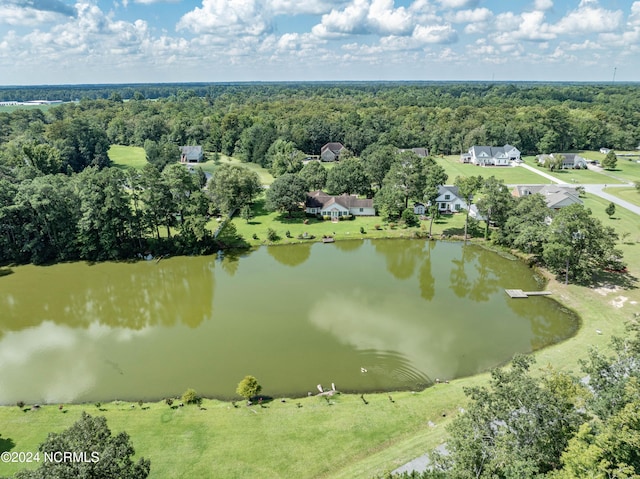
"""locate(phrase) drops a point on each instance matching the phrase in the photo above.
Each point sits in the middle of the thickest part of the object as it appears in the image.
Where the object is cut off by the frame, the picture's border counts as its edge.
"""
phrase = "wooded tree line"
(245, 120)
(101, 214)
(550, 424)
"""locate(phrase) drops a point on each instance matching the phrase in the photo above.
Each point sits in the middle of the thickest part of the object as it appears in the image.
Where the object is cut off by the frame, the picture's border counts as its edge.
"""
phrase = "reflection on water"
(404, 311)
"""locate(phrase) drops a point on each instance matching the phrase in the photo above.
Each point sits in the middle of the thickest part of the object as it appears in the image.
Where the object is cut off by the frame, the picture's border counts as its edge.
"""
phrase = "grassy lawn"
(623, 221)
(510, 175)
(629, 194)
(126, 157)
(575, 176)
(627, 170)
(450, 225)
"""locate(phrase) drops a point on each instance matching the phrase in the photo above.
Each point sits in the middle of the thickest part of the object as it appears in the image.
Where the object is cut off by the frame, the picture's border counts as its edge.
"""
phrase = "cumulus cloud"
(528, 26)
(33, 12)
(588, 18)
(227, 18)
(380, 17)
(471, 16)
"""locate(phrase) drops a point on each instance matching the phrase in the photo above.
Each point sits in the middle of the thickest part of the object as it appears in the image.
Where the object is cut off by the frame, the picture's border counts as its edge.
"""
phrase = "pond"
(364, 315)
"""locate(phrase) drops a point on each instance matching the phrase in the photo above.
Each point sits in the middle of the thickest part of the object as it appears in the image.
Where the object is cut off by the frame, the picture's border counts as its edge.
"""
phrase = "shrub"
(272, 235)
(190, 396)
(288, 234)
(169, 401)
(248, 387)
(378, 227)
(255, 236)
(326, 218)
(20, 404)
(362, 231)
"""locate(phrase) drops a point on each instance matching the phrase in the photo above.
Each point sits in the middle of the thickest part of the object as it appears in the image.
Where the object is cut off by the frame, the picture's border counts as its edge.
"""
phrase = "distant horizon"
(85, 42)
(319, 82)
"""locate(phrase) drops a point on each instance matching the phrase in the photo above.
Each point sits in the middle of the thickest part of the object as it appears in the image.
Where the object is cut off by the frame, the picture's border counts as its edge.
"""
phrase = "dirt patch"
(607, 289)
(618, 302)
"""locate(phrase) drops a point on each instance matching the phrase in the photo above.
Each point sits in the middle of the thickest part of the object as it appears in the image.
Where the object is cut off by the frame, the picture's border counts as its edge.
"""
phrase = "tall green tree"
(283, 157)
(107, 456)
(348, 176)
(286, 193)
(518, 426)
(495, 203)
(408, 173)
(610, 161)
(578, 245)
(468, 186)
(314, 174)
(232, 187)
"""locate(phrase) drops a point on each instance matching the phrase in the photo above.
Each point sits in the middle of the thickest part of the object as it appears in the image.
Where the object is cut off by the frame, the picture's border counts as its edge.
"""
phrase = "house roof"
(555, 196)
(422, 152)
(192, 152)
(491, 151)
(444, 189)
(335, 147)
(320, 199)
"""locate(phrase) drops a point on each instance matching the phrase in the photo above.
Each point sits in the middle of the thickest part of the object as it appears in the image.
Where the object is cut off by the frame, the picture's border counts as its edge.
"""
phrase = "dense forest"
(60, 200)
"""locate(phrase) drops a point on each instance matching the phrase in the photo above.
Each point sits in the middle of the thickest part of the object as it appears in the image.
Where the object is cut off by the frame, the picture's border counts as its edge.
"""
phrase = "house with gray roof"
(191, 154)
(491, 155)
(331, 151)
(556, 196)
(320, 203)
(570, 161)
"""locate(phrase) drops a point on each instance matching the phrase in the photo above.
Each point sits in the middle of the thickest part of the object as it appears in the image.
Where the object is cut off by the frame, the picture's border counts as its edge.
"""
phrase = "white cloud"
(528, 26)
(588, 18)
(471, 16)
(227, 18)
(458, 3)
(543, 4)
(435, 34)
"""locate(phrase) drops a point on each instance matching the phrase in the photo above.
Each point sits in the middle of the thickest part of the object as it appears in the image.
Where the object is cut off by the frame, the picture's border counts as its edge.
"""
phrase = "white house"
(320, 203)
(449, 199)
(491, 155)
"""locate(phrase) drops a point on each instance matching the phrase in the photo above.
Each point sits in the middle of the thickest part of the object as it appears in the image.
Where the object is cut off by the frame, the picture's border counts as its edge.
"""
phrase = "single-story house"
(491, 155)
(556, 196)
(320, 203)
(604, 151)
(419, 208)
(331, 151)
(421, 152)
(449, 199)
(569, 160)
(191, 154)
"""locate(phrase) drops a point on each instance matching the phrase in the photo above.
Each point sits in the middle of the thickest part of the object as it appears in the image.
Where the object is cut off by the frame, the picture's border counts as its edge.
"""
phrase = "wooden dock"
(518, 293)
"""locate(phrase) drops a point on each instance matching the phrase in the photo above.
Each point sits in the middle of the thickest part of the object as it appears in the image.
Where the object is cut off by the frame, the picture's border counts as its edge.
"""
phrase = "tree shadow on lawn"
(6, 444)
(621, 279)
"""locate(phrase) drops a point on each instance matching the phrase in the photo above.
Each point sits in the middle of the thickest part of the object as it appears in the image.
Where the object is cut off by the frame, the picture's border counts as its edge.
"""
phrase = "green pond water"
(406, 311)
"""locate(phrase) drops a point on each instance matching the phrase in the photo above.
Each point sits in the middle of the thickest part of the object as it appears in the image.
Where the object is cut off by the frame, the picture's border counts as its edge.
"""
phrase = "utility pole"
(614, 74)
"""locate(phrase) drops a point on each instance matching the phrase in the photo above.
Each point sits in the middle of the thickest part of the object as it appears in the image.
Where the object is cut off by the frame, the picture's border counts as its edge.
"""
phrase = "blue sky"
(127, 41)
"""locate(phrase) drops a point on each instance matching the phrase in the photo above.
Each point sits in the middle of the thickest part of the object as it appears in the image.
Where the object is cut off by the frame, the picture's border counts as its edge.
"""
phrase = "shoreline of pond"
(542, 277)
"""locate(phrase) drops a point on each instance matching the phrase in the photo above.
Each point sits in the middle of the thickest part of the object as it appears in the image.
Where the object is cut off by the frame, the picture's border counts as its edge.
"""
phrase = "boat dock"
(518, 293)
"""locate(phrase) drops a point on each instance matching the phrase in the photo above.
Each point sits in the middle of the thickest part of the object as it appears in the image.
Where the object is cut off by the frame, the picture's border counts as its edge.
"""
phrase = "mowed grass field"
(127, 157)
(630, 194)
(510, 174)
